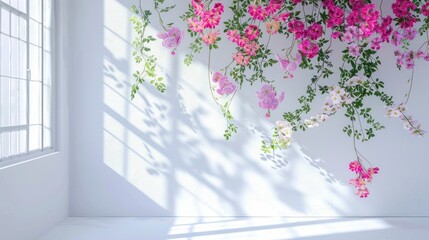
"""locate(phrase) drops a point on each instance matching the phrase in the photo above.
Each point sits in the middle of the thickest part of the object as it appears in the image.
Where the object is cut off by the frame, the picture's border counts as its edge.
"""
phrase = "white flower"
(356, 81)
(322, 117)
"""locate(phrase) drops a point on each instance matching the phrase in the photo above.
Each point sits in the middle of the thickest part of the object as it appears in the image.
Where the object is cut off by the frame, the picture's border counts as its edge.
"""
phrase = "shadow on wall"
(170, 149)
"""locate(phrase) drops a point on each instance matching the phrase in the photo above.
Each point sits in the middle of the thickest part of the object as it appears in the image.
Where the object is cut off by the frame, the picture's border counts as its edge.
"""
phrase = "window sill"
(15, 161)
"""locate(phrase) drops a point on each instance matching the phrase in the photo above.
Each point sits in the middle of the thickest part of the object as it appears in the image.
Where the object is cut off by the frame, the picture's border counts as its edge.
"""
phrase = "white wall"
(34, 194)
(164, 154)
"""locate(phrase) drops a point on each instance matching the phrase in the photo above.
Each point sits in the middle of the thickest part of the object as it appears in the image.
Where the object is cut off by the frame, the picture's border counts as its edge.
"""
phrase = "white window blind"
(25, 78)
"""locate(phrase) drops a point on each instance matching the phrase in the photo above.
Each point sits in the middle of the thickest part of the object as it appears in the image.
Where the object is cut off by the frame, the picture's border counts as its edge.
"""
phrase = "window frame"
(42, 150)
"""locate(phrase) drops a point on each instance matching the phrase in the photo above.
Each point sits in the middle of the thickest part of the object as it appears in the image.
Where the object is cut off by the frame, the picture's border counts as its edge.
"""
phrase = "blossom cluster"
(411, 125)
(402, 9)
(364, 176)
(308, 47)
(268, 98)
(247, 43)
(225, 86)
(284, 133)
(206, 19)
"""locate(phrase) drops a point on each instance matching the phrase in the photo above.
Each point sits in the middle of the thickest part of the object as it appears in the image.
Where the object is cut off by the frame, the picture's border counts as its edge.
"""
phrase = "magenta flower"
(356, 167)
(171, 38)
(425, 9)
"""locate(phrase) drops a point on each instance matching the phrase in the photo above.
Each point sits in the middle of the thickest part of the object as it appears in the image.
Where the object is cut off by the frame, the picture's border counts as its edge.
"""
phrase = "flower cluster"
(268, 98)
(225, 86)
(308, 47)
(206, 19)
(364, 176)
(403, 11)
(259, 12)
(425, 9)
(171, 38)
(289, 66)
(336, 14)
(284, 133)
(247, 43)
(411, 125)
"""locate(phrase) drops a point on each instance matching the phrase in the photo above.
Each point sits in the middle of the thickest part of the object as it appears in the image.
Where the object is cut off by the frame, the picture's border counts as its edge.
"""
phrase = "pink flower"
(233, 35)
(289, 66)
(354, 50)
(252, 32)
(308, 48)
(194, 25)
(210, 38)
(218, 77)
(363, 193)
(273, 6)
(425, 9)
(251, 48)
(240, 59)
(315, 31)
(268, 97)
(410, 33)
(226, 87)
(336, 35)
(376, 43)
(257, 12)
(171, 38)
(347, 37)
(397, 38)
(356, 167)
(272, 26)
(297, 27)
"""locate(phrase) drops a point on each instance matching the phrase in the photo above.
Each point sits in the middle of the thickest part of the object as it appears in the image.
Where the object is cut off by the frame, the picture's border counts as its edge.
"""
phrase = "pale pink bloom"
(218, 77)
(272, 26)
(210, 38)
(171, 39)
(363, 193)
(354, 50)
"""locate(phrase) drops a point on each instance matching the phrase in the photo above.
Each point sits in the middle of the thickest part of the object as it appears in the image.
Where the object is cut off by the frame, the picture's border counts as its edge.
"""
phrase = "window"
(25, 78)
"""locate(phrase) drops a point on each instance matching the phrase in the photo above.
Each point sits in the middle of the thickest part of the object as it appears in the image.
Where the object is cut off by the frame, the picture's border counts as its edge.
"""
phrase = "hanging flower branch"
(312, 28)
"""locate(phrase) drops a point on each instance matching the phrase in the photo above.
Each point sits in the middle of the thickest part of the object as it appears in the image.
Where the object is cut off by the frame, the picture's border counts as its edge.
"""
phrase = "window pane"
(35, 63)
(35, 137)
(22, 5)
(35, 10)
(35, 103)
(5, 21)
(5, 138)
(4, 105)
(35, 33)
(22, 142)
(13, 102)
(14, 61)
(22, 102)
(14, 141)
(13, 3)
(14, 25)
(22, 60)
(5, 55)
(23, 29)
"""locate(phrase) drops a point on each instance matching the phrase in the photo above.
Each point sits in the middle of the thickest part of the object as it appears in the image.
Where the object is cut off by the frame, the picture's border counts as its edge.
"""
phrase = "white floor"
(192, 228)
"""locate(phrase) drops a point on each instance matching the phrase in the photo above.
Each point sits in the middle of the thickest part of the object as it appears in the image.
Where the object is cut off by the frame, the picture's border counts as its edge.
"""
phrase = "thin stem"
(411, 86)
